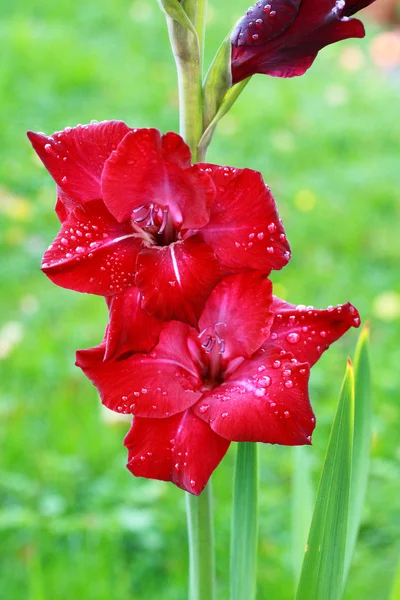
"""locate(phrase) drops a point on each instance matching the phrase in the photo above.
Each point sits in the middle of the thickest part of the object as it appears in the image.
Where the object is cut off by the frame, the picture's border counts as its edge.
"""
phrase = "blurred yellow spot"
(14, 236)
(305, 200)
(11, 335)
(352, 59)
(280, 291)
(15, 207)
(387, 306)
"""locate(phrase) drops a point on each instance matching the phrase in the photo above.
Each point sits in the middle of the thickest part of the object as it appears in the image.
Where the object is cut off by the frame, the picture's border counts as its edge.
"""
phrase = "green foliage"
(321, 576)
(73, 522)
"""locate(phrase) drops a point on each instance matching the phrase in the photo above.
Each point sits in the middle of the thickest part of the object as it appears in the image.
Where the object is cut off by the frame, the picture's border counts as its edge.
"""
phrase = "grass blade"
(361, 444)
(322, 573)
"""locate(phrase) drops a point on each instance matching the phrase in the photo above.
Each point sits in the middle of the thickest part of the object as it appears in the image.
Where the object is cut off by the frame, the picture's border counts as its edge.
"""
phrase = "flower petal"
(148, 168)
(307, 332)
(244, 229)
(264, 400)
(130, 328)
(157, 385)
(264, 22)
(75, 157)
(292, 52)
(238, 310)
(182, 449)
(93, 253)
(176, 280)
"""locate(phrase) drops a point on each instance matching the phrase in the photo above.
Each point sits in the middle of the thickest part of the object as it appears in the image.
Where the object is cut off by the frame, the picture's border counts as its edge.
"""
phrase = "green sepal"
(229, 99)
(218, 81)
(175, 10)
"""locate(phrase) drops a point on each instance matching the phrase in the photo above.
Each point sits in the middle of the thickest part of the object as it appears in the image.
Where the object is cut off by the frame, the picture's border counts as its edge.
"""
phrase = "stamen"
(164, 221)
(144, 217)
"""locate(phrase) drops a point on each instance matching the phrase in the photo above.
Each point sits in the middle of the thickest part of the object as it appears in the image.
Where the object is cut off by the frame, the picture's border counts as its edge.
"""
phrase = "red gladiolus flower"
(134, 211)
(283, 37)
(241, 376)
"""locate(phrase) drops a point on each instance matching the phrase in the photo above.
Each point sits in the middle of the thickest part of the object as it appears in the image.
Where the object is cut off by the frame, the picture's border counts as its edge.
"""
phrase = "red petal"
(75, 157)
(292, 52)
(130, 328)
(265, 22)
(148, 168)
(159, 384)
(182, 449)
(176, 280)
(244, 229)
(264, 400)
(307, 332)
(239, 306)
(93, 253)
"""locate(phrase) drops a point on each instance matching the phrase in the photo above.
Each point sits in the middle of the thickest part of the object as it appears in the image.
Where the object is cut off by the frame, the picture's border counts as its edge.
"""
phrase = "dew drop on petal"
(203, 408)
(277, 364)
(288, 384)
(293, 338)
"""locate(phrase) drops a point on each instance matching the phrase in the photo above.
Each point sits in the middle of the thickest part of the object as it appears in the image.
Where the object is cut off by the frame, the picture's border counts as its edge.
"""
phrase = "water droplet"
(203, 408)
(80, 249)
(272, 227)
(144, 390)
(260, 392)
(293, 338)
(64, 180)
(48, 148)
(260, 235)
(224, 415)
(270, 250)
(192, 482)
(286, 414)
(287, 373)
(265, 381)
(277, 364)
(288, 384)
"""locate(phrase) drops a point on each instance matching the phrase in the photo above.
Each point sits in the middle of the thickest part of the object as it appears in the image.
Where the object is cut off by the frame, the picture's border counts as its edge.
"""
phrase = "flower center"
(154, 224)
(213, 345)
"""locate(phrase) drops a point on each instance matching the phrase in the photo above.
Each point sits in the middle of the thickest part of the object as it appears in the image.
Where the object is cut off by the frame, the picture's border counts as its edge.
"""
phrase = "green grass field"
(73, 522)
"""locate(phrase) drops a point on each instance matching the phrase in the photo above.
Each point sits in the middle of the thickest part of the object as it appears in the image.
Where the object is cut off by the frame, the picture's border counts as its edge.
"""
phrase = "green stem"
(201, 25)
(185, 47)
(201, 545)
(245, 524)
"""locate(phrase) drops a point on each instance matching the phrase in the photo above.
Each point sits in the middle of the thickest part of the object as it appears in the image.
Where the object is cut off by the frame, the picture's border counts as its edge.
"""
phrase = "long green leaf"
(302, 505)
(245, 524)
(174, 9)
(322, 573)
(218, 81)
(361, 444)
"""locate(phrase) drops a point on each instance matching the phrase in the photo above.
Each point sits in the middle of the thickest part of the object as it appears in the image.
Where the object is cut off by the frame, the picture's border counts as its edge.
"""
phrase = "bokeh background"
(73, 522)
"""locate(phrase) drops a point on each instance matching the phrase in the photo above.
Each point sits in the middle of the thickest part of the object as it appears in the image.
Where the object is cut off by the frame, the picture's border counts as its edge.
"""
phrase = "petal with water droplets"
(264, 400)
(238, 311)
(294, 49)
(244, 229)
(130, 328)
(93, 253)
(148, 168)
(181, 449)
(307, 332)
(176, 280)
(75, 157)
(159, 384)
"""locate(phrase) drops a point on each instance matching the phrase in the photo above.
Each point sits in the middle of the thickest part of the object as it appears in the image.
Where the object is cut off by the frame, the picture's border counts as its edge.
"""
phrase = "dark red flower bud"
(283, 37)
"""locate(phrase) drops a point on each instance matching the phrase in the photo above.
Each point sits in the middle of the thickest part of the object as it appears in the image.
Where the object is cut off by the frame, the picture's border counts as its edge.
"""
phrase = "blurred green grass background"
(73, 522)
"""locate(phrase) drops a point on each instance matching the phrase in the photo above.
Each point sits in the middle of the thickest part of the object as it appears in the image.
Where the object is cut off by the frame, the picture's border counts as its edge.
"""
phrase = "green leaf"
(174, 9)
(302, 505)
(230, 98)
(245, 524)
(395, 593)
(322, 573)
(218, 81)
(361, 444)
